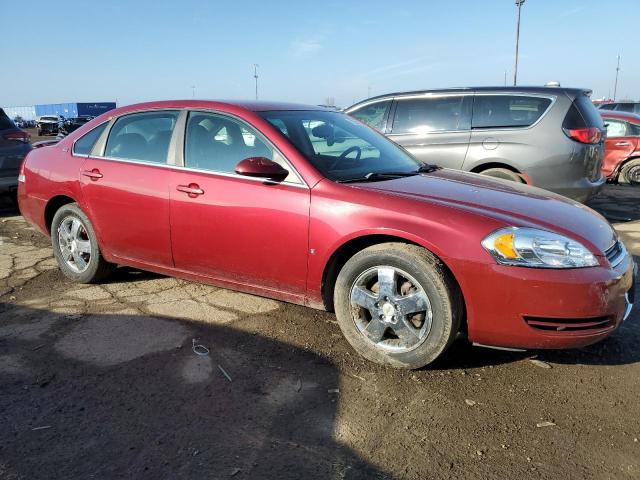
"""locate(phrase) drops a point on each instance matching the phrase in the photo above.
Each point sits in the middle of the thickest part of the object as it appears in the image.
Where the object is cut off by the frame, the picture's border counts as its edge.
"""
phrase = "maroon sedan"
(311, 206)
(622, 147)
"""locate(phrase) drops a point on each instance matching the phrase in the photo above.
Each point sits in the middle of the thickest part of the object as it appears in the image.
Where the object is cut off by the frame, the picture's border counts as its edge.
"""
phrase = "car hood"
(515, 204)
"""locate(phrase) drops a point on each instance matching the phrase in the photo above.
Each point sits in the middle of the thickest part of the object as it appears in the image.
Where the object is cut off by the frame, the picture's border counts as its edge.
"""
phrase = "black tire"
(434, 281)
(96, 268)
(630, 172)
(502, 173)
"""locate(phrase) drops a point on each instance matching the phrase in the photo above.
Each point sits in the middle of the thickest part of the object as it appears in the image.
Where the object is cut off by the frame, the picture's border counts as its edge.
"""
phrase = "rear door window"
(432, 114)
(142, 136)
(84, 144)
(508, 111)
(373, 114)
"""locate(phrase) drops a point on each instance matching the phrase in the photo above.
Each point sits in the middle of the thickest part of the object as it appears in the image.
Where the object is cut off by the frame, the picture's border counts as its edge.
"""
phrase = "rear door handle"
(92, 174)
(193, 189)
(623, 144)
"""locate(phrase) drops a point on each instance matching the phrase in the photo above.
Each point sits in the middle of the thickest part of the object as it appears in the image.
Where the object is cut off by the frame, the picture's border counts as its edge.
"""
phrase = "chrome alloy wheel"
(74, 244)
(390, 309)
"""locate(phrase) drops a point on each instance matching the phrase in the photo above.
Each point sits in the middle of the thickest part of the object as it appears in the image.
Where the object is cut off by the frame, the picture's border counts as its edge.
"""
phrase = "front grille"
(616, 253)
(569, 324)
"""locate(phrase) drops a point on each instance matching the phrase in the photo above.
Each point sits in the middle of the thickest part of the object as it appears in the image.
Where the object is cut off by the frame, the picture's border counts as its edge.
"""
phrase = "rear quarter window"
(84, 144)
(507, 111)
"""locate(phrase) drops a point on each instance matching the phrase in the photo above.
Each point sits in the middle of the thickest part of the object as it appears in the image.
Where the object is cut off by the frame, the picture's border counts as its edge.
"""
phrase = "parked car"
(68, 125)
(48, 124)
(624, 106)
(14, 145)
(622, 147)
(548, 137)
(320, 210)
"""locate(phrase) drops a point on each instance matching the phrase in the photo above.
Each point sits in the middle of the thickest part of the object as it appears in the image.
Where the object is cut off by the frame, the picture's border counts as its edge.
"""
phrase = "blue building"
(75, 109)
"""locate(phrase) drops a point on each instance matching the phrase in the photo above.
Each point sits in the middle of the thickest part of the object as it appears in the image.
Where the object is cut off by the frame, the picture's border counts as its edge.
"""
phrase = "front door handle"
(92, 174)
(623, 144)
(193, 189)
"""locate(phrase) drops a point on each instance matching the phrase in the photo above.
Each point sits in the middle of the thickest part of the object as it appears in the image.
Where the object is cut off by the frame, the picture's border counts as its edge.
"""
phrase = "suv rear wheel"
(397, 305)
(75, 246)
(503, 173)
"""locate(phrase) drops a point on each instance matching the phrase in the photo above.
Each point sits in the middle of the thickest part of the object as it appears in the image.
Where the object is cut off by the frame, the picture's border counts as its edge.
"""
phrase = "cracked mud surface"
(100, 381)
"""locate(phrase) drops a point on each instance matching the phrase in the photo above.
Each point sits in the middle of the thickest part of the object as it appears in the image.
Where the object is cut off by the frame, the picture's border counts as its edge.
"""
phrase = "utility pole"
(505, 78)
(193, 91)
(519, 4)
(369, 91)
(255, 75)
(615, 85)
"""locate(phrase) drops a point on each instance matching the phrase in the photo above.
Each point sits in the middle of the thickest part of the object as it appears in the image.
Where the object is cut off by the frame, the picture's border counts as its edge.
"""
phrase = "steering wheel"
(344, 154)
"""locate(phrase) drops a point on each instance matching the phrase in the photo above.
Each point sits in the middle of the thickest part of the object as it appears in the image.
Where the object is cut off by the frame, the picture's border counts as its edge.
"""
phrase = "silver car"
(549, 137)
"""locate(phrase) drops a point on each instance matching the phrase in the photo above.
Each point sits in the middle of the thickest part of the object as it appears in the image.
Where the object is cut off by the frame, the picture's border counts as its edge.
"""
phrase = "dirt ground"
(102, 382)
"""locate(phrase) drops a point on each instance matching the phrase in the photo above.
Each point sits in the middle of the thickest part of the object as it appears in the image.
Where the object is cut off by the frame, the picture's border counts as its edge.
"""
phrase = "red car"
(310, 206)
(622, 147)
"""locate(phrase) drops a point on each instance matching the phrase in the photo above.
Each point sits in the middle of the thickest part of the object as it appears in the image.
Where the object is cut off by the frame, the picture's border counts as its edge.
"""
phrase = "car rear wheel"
(503, 173)
(397, 305)
(75, 246)
(630, 172)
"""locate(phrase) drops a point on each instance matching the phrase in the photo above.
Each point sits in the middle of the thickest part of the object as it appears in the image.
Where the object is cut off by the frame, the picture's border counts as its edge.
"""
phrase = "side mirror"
(261, 167)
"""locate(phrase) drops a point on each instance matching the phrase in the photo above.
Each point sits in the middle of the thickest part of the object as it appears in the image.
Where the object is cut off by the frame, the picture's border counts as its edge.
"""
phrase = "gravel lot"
(102, 382)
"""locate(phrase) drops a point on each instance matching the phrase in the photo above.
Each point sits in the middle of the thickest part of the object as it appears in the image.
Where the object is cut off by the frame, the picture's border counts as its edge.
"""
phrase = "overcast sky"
(133, 51)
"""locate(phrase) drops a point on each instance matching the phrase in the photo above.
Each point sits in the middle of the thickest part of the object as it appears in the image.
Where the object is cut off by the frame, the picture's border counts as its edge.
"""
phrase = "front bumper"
(528, 308)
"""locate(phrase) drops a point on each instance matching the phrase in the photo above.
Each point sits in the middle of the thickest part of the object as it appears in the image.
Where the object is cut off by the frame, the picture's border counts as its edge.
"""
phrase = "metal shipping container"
(27, 112)
(95, 109)
(75, 109)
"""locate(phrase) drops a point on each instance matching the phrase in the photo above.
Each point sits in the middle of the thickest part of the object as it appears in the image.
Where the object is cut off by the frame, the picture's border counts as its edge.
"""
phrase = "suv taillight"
(17, 136)
(584, 135)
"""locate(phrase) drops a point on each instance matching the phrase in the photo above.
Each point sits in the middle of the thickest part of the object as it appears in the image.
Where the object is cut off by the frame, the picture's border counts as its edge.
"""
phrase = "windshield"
(340, 147)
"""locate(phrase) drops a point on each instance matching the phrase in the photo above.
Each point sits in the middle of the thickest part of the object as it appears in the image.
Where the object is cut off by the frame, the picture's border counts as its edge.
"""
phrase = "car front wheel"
(75, 246)
(397, 305)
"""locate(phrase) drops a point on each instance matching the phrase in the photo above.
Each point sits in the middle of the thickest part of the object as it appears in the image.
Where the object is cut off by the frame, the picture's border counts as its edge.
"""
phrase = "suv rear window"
(5, 121)
(583, 114)
(507, 111)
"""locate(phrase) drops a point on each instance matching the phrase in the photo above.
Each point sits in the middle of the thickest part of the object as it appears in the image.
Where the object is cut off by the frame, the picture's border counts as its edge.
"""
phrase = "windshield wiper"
(428, 168)
(377, 176)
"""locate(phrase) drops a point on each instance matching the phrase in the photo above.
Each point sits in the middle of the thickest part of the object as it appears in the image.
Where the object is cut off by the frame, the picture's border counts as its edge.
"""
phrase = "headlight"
(530, 247)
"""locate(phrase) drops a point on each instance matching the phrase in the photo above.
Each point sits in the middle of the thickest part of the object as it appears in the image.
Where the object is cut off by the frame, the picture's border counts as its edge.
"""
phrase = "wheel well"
(52, 207)
(486, 166)
(348, 250)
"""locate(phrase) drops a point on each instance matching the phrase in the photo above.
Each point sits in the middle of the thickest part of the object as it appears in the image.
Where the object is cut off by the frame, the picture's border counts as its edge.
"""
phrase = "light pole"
(193, 91)
(519, 4)
(255, 75)
(615, 86)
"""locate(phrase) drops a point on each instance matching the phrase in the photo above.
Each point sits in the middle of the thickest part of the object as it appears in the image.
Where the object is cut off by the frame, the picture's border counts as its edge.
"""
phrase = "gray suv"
(549, 137)
(14, 145)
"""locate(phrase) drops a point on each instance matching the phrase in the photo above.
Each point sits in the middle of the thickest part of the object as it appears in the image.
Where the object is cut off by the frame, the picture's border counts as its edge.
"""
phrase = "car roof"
(626, 116)
(249, 105)
(539, 90)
